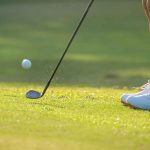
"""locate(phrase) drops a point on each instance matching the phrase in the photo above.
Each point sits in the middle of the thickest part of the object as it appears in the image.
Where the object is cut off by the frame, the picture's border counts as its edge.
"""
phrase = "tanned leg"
(146, 5)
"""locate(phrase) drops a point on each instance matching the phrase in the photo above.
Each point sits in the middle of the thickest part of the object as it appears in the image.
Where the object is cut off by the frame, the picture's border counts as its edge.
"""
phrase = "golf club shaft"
(69, 44)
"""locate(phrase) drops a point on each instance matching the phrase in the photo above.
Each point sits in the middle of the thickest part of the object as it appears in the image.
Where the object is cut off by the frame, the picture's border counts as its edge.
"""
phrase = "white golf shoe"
(145, 89)
(139, 101)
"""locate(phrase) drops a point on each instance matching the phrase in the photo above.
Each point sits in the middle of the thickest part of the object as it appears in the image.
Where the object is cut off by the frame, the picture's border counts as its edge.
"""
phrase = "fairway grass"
(70, 118)
(112, 47)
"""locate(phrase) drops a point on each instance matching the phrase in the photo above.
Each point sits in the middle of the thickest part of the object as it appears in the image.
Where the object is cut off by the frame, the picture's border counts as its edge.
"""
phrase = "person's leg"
(146, 5)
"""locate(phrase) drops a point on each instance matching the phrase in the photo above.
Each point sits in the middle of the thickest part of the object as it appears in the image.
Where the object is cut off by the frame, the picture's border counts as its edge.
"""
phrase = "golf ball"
(26, 64)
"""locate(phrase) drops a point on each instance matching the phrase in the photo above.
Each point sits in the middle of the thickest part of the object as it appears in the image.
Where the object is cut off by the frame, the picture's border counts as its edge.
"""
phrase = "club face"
(33, 94)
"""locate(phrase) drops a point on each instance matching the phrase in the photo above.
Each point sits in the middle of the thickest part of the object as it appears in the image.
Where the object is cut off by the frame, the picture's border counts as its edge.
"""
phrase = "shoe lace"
(147, 85)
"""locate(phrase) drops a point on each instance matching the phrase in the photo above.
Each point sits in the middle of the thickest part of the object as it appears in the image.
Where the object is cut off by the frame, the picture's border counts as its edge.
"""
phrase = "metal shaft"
(69, 44)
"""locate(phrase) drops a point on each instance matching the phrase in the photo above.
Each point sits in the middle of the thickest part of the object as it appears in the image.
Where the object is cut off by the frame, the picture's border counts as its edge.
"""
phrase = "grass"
(117, 53)
(70, 118)
(82, 109)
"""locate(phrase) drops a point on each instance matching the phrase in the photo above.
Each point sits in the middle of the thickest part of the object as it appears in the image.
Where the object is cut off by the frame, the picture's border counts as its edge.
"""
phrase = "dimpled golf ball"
(26, 64)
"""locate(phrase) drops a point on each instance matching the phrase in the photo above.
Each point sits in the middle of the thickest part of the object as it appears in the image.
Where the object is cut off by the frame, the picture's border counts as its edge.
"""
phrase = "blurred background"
(112, 48)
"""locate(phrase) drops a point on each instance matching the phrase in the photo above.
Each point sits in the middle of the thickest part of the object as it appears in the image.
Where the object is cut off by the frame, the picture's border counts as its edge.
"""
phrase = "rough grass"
(70, 118)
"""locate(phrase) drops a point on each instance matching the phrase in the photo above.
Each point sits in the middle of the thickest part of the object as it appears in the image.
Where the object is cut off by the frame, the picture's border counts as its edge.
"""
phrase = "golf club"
(34, 94)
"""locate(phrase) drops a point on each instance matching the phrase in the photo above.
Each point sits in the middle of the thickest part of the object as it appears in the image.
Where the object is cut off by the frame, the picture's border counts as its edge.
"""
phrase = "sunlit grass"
(76, 118)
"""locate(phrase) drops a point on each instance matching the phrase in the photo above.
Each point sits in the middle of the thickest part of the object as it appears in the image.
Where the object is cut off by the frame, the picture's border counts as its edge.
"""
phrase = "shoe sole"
(129, 105)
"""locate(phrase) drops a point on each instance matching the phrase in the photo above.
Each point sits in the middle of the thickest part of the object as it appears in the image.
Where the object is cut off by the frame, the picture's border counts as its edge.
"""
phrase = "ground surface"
(70, 118)
(82, 109)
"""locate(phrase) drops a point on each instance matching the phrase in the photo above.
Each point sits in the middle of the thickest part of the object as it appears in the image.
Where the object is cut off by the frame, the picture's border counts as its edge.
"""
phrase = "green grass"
(70, 118)
(113, 43)
(82, 109)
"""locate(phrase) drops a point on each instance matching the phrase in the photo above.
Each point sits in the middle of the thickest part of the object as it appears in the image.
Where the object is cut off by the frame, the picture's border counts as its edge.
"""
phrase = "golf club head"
(33, 94)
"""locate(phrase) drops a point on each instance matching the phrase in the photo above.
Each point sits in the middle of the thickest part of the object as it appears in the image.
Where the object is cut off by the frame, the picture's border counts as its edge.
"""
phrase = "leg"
(146, 5)
(148, 9)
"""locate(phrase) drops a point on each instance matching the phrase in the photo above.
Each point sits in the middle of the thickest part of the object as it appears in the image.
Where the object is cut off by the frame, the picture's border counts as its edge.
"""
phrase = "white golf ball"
(26, 64)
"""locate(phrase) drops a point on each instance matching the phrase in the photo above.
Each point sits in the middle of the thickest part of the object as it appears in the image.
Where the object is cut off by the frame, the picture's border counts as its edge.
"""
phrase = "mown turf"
(70, 118)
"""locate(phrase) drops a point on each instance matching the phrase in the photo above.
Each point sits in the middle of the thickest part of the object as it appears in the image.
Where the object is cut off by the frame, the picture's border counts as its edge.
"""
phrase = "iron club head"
(33, 94)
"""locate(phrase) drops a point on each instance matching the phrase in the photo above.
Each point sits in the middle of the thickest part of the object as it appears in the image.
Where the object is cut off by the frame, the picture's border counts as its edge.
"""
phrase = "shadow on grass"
(112, 49)
(79, 73)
